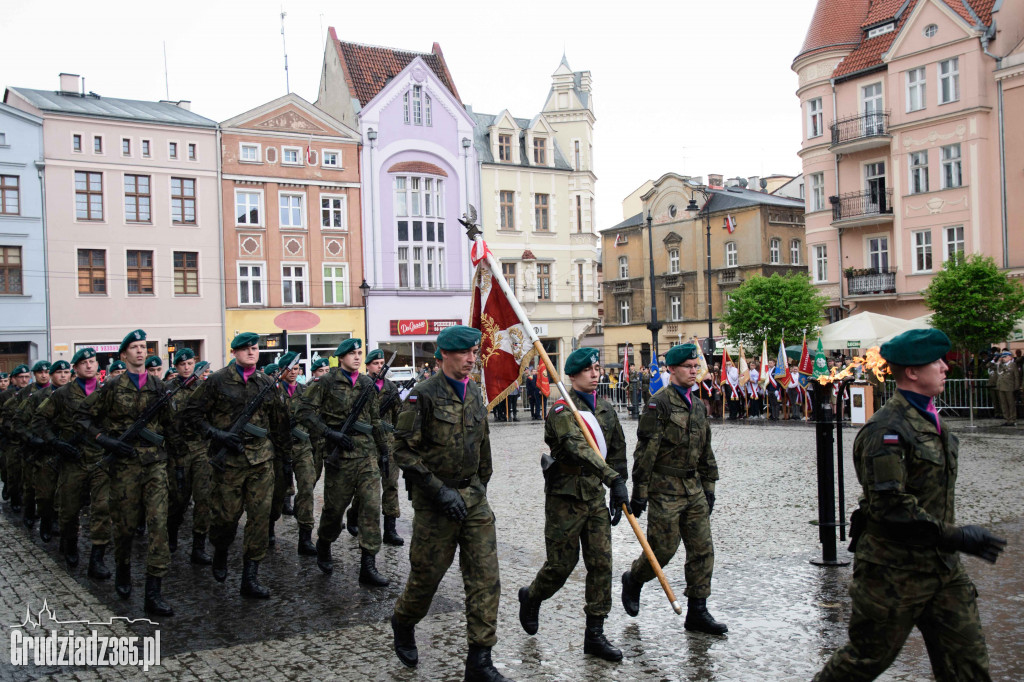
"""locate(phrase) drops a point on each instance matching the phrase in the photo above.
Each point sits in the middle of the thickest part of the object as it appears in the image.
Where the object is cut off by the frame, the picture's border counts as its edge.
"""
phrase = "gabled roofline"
(443, 90)
(301, 103)
(436, 49)
(19, 113)
(918, 8)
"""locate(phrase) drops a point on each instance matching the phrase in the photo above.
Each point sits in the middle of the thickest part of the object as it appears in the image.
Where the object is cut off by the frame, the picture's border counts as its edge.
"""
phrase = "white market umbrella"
(923, 322)
(863, 330)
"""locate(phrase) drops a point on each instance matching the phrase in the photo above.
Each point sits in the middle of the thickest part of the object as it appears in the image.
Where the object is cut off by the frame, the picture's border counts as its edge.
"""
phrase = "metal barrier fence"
(955, 400)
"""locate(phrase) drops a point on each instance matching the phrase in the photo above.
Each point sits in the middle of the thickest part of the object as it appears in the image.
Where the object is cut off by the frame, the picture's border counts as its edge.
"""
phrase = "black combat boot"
(352, 520)
(529, 611)
(28, 513)
(306, 546)
(15, 501)
(220, 564)
(288, 508)
(155, 604)
(69, 547)
(272, 536)
(251, 580)
(172, 535)
(631, 594)
(405, 642)
(368, 574)
(699, 620)
(6, 494)
(595, 643)
(199, 555)
(97, 569)
(45, 525)
(123, 580)
(479, 666)
(391, 536)
(323, 556)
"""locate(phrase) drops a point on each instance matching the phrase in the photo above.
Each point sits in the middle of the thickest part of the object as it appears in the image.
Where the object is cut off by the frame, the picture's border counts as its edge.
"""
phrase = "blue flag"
(656, 384)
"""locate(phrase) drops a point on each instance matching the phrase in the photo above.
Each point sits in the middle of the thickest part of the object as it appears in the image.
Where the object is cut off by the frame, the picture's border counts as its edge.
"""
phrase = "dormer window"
(416, 107)
(540, 151)
(882, 30)
(504, 147)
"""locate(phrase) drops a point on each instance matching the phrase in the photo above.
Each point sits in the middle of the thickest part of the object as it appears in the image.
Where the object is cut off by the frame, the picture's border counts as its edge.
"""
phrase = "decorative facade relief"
(250, 245)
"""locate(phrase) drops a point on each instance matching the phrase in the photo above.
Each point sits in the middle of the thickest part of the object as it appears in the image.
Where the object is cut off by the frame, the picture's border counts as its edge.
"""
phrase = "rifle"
(332, 459)
(139, 430)
(386, 405)
(219, 459)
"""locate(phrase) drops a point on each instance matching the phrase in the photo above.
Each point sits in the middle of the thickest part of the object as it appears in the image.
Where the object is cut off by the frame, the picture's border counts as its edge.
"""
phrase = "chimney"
(69, 83)
(754, 182)
(715, 180)
(185, 104)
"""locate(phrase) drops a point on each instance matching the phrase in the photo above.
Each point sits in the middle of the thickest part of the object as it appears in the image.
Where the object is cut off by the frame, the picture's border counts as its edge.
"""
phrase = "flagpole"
(473, 232)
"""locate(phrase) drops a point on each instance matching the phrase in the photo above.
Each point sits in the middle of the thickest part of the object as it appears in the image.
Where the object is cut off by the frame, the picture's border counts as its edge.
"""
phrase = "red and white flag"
(806, 364)
(505, 348)
(730, 224)
(309, 155)
(625, 362)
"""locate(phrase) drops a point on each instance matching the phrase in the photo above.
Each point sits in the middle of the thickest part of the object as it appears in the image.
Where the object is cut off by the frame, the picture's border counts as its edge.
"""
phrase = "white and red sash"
(590, 420)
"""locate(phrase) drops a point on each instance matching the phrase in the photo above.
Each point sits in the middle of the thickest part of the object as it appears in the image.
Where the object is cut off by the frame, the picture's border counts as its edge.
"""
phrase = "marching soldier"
(117, 368)
(154, 366)
(674, 468)
(246, 477)
(302, 463)
(20, 378)
(26, 450)
(574, 505)
(443, 447)
(906, 569)
(78, 470)
(43, 467)
(355, 473)
(190, 477)
(138, 475)
(5, 382)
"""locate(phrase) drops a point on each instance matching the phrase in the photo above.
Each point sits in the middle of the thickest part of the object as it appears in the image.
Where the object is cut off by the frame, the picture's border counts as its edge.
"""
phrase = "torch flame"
(871, 362)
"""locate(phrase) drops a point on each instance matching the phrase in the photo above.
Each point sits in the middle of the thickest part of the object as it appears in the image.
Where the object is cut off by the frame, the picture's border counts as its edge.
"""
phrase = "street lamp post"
(365, 289)
(653, 325)
(693, 208)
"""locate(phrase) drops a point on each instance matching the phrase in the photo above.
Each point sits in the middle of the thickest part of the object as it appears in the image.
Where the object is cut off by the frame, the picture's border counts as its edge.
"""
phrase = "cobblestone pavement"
(785, 615)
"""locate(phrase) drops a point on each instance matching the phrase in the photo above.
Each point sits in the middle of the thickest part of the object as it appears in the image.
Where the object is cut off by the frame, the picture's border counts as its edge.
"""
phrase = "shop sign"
(420, 327)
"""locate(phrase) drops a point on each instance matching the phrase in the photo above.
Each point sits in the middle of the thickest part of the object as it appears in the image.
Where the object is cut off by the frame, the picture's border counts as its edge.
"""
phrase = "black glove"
(710, 497)
(451, 503)
(638, 505)
(65, 449)
(340, 440)
(114, 446)
(179, 478)
(287, 468)
(973, 540)
(619, 496)
(385, 464)
(231, 441)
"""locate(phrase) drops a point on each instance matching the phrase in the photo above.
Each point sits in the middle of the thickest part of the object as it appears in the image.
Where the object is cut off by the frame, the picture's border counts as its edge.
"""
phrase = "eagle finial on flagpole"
(468, 221)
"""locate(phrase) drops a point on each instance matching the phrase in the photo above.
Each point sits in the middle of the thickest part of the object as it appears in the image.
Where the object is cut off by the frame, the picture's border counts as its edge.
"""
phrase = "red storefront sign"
(420, 327)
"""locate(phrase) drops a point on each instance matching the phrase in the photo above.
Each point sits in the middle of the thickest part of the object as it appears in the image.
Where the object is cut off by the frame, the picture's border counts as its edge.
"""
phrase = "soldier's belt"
(568, 469)
(300, 435)
(672, 471)
(151, 437)
(362, 427)
(457, 483)
(255, 431)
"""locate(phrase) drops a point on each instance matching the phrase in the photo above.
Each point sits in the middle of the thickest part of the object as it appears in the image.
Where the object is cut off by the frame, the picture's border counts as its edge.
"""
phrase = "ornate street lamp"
(653, 325)
(365, 289)
(692, 208)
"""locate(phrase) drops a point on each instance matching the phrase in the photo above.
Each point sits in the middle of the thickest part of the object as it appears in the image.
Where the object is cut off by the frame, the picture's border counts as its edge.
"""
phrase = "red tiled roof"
(369, 68)
(834, 24)
(417, 167)
(869, 53)
(881, 10)
(983, 8)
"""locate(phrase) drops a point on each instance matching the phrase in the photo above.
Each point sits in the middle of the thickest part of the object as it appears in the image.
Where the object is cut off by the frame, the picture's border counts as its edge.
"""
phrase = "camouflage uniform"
(57, 417)
(326, 405)
(5, 436)
(441, 440)
(1007, 381)
(389, 485)
(40, 463)
(673, 466)
(195, 463)
(139, 483)
(247, 480)
(20, 454)
(303, 465)
(574, 504)
(908, 474)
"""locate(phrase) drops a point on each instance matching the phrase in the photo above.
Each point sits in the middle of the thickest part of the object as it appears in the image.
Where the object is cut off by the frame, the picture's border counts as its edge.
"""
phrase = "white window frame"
(775, 251)
(300, 161)
(249, 280)
(623, 267)
(673, 261)
(951, 165)
(820, 263)
(921, 243)
(815, 118)
(281, 196)
(243, 146)
(916, 89)
(731, 255)
(794, 251)
(949, 81)
(303, 279)
(958, 239)
(624, 311)
(675, 307)
(343, 212)
(918, 178)
(262, 215)
(868, 252)
(323, 158)
(817, 191)
(334, 279)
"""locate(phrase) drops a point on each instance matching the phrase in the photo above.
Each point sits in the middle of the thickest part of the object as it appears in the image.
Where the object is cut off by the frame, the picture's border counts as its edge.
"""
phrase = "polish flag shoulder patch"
(412, 398)
(891, 439)
(652, 406)
(559, 408)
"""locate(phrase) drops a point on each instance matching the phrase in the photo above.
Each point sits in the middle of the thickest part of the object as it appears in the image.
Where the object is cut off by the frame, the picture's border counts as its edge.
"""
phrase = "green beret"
(458, 337)
(59, 365)
(20, 369)
(116, 365)
(580, 359)
(347, 346)
(270, 369)
(375, 354)
(41, 366)
(437, 354)
(677, 355)
(201, 367)
(83, 354)
(3, 375)
(170, 373)
(287, 358)
(320, 362)
(244, 340)
(153, 361)
(916, 347)
(137, 335)
(184, 354)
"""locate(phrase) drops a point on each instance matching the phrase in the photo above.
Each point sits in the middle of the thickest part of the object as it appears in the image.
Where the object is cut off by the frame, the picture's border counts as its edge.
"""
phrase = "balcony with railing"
(729, 277)
(871, 207)
(859, 132)
(870, 282)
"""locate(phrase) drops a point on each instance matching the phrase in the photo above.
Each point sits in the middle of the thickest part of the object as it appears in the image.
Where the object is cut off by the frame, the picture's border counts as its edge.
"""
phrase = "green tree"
(767, 306)
(974, 303)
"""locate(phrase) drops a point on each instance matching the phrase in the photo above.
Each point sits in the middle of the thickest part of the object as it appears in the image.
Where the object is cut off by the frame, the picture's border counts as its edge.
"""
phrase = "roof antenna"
(284, 46)
(167, 87)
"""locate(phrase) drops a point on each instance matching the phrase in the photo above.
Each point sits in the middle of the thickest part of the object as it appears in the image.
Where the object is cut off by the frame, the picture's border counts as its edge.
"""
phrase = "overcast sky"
(684, 86)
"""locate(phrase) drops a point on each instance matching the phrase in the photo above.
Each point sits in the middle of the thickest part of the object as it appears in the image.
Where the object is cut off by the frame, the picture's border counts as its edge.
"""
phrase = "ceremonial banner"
(782, 366)
(543, 383)
(743, 369)
(656, 384)
(806, 364)
(820, 362)
(625, 363)
(724, 379)
(505, 348)
(703, 371)
(762, 373)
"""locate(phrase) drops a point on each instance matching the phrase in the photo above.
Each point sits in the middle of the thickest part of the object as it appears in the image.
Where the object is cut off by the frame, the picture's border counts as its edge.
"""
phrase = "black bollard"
(826, 477)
